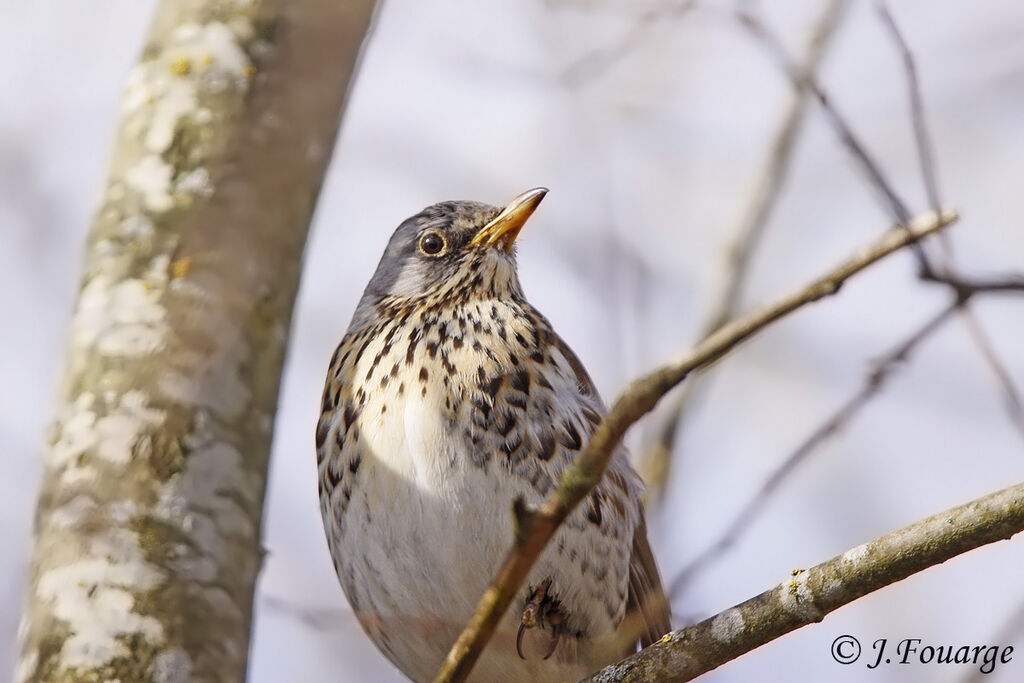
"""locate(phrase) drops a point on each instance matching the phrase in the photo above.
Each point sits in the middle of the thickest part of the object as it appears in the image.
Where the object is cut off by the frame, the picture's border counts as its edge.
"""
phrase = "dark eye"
(432, 244)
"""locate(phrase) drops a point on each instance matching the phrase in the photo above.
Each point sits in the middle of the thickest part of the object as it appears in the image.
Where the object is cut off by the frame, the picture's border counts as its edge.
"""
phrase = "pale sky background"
(648, 159)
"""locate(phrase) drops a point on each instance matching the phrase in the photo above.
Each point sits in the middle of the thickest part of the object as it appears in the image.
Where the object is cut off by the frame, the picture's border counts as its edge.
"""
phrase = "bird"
(449, 399)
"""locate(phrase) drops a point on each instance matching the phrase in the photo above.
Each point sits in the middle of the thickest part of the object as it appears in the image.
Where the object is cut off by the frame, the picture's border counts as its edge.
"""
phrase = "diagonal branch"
(656, 461)
(873, 384)
(811, 594)
(805, 81)
(925, 151)
(639, 398)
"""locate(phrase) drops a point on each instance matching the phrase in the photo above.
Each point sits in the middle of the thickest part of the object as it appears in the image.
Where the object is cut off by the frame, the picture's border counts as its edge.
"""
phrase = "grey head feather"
(404, 271)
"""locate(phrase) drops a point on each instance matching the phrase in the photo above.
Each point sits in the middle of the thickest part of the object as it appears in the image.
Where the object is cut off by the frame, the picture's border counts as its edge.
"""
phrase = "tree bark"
(147, 539)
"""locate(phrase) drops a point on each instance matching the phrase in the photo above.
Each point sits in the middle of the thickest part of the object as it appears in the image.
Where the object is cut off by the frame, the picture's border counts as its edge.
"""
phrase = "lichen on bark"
(147, 527)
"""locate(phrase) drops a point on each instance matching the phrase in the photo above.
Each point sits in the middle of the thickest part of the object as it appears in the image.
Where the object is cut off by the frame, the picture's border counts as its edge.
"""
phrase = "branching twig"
(655, 463)
(948, 275)
(812, 594)
(638, 399)
(804, 80)
(873, 384)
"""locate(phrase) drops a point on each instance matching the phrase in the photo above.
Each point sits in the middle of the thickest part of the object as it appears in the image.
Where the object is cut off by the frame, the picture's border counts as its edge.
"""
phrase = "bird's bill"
(506, 225)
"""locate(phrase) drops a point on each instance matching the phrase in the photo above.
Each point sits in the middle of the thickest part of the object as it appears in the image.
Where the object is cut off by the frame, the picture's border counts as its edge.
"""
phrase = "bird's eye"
(432, 244)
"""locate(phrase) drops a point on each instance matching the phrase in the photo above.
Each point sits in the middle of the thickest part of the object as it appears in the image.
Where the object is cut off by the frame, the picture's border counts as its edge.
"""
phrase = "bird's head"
(448, 249)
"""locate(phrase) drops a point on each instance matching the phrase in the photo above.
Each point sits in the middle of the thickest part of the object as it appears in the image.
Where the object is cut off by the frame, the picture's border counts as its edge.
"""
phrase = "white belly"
(423, 535)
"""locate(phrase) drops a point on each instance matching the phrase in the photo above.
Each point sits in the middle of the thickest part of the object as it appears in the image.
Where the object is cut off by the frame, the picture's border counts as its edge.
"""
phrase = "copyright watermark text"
(846, 650)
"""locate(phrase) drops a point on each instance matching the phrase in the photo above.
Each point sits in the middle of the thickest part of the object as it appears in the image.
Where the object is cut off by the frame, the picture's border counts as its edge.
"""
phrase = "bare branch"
(811, 594)
(655, 464)
(925, 149)
(1011, 395)
(804, 80)
(1009, 283)
(926, 156)
(873, 384)
(639, 398)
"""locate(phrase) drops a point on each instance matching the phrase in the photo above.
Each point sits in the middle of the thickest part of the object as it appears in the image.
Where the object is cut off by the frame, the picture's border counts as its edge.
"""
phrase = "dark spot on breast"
(516, 401)
(569, 436)
(333, 476)
(449, 367)
(354, 463)
(323, 428)
(350, 414)
(484, 409)
(537, 357)
(481, 375)
(414, 339)
(594, 509)
(491, 386)
(591, 415)
(456, 342)
(432, 349)
(520, 381)
(505, 422)
(546, 444)
(423, 374)
(511, 445)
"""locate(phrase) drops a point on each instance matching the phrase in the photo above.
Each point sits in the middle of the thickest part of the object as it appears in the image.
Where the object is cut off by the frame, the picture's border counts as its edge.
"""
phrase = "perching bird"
(449, 397)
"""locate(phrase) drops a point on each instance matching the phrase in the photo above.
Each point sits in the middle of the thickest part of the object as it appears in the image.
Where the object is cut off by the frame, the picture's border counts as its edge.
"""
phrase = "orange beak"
(506, 225)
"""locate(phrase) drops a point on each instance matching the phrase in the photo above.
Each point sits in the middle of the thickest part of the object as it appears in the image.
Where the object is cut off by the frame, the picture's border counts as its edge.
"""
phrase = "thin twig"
(809, 595)
(949, 277)
(1011, 395)
(655, 463)
(639, 398)
(873, 384)
(804, 80)
(929, 173)
(925, 149)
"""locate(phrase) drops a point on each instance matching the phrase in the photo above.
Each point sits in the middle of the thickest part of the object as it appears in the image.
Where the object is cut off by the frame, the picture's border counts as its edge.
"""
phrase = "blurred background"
(650, 122)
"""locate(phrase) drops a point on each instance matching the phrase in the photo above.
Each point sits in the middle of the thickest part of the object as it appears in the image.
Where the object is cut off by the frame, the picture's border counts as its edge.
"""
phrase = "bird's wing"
(647, 609)
(646, 604)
